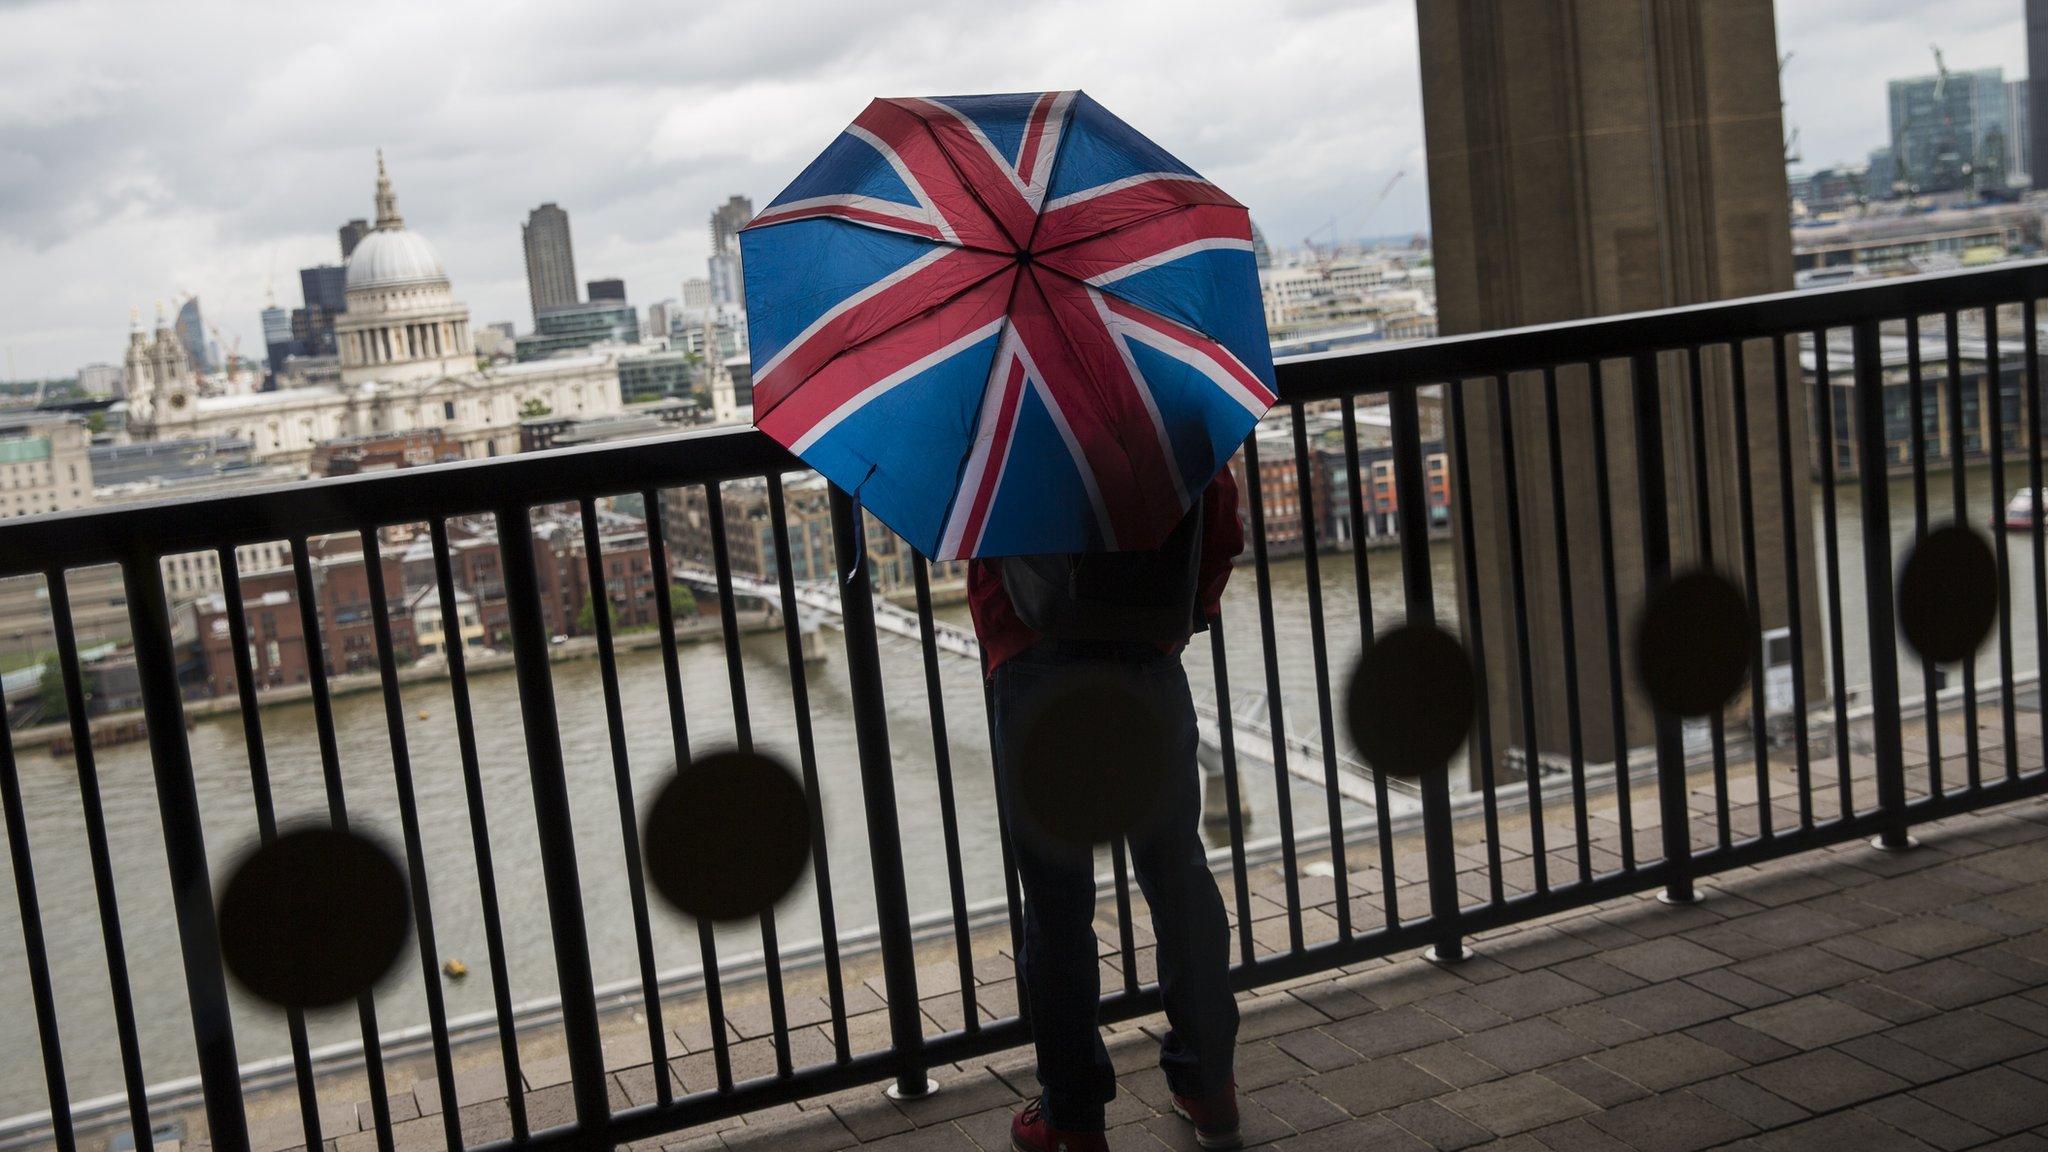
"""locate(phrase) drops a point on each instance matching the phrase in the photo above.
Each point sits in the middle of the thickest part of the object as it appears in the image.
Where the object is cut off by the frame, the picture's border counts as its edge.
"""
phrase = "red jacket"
(1003, 635)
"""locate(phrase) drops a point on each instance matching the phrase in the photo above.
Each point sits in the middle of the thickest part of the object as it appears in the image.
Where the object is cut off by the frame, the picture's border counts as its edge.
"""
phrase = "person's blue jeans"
(1062, 975)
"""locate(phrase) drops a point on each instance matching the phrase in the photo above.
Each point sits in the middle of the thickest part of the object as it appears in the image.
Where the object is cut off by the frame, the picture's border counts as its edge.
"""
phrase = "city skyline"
(117, 193)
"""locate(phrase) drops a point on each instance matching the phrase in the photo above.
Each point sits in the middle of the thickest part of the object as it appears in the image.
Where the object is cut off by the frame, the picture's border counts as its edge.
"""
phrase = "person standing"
(1029, 667)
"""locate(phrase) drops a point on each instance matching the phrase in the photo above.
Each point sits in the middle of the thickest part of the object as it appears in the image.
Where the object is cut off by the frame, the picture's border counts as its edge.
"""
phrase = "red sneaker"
(1029, 1132)
(1214, 1117)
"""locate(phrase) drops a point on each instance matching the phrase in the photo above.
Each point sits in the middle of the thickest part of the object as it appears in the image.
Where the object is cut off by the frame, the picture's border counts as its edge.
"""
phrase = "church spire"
(387, 200)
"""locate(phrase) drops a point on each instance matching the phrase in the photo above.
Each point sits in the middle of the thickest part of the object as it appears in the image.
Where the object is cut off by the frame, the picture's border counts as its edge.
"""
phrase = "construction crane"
(234, 353)
(1309, 241)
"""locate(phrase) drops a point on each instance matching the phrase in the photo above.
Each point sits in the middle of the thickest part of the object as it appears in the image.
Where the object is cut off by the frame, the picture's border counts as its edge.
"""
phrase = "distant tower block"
(550, 259)
(1588, 157)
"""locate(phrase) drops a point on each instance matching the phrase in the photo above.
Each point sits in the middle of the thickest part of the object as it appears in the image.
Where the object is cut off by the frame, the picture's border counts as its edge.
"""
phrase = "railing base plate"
(1665, 896)
(1437, 958)
(1878, 843)
(895, 1091)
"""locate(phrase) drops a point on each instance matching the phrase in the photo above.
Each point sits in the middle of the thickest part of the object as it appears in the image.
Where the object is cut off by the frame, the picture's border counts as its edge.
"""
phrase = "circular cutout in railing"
(1694, 643)
(1092, 757)
(1948, 594)
(314, 918)
(728, 836)
(1411, 700)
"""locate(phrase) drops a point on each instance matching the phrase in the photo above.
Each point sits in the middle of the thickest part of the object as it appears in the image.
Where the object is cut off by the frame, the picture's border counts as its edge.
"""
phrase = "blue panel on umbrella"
(848, 165)
(915, 437)
(1097, 148)
(1000, 118)
(1200, 446)
(830, 259)
(1042, 505)
(1215, 292)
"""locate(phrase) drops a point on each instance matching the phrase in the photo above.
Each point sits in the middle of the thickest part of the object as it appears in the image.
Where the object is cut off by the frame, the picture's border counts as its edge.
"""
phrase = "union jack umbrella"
(1009, 324)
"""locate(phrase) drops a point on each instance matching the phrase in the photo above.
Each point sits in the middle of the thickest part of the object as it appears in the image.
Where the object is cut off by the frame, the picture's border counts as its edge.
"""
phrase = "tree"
(534, 409)
(681, 601)
(96, 423)
(586, 620)
(50, 699)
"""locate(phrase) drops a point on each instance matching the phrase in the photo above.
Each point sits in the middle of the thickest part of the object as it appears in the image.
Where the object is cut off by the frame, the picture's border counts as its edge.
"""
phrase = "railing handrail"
(344, 504)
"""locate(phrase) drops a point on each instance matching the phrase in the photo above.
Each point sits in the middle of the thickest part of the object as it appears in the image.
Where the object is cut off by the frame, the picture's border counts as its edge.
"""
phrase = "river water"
(64, 881)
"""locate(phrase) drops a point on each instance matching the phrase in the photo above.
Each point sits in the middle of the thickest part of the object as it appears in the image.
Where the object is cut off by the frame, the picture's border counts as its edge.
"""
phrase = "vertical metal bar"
(37, 952)
(1703, 506)
(1127, 951)
(1994, 379)
(1617, 703)
(1574, 737)
(1958, 452)
(1361, 573)
(1656, 534)
(1228, 742)
(679, 737)
(184, 850)
(409, 829)
(337, 814)
(1304, 480)
(557, 836)
(949, 824)
(1915, 375)
(1411, 497)
(1877, 576)
(101, 858)
(266, 818)
(1283, 800)
(1745, 503)
(479, 825)
(1475, 639)
(1794, 617)
(1824, 403)
(807, 759)
(743, 734)
(2028, 321)
(623, 793)
(878, 795)
(1532, 756)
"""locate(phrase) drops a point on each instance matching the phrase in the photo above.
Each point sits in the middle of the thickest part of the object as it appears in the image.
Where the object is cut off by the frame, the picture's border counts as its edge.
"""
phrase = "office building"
(663, 317)
(1949, 131)
(352, 234)
(550, 259)
(574, 326)
(697, 294)
(100, 379)
(43, 463)
(2019, 119)
(277, 336)
(191, 329)
(2037, 94)
(610, 288)
(324, 289)
(726, 289)
(658, 376)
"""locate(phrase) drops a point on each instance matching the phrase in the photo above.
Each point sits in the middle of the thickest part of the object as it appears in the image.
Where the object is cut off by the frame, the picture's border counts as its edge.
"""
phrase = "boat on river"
(2020, 511)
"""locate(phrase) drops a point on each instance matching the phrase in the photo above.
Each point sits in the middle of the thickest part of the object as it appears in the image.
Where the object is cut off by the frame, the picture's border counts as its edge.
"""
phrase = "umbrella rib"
(987, 212)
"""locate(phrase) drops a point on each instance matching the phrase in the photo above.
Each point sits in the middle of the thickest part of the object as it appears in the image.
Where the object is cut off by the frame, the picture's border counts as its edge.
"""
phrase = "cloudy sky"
(149, 150)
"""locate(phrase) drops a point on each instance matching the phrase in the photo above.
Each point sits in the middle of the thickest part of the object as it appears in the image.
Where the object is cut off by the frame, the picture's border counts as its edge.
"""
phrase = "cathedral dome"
(392, 256)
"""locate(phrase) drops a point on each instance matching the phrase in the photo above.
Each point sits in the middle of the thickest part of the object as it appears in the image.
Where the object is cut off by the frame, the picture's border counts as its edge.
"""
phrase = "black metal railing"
(1699, 415)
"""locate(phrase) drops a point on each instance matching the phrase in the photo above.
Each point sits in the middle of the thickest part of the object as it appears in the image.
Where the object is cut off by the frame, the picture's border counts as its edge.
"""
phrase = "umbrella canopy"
(1011, 324)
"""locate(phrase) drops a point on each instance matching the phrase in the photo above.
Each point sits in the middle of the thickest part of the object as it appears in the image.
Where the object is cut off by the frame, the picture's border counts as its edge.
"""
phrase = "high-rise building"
(1950, 131)
(43, 463)
(2037, 94)
(579, 326)
(324, 288)
(662, 318)
(277, 336)
(352, 234)
(100, 379)
(550, 259)
(697, 294)
(2019, 119)
(724, 264)
(610, 288)
(191, 329)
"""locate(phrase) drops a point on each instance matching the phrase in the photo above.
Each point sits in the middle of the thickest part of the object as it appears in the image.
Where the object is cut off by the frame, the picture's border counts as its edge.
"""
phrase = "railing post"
(163, 709)
(1412, 506)
(557, 837)
(1873, 480)
(878, 795)
(1672, 785)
